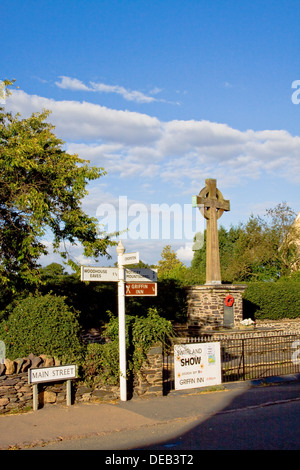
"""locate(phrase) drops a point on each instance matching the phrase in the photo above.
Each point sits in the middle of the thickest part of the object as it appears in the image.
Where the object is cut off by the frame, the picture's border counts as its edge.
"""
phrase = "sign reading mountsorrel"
(197, 365)
(52, 374)
(141, 275)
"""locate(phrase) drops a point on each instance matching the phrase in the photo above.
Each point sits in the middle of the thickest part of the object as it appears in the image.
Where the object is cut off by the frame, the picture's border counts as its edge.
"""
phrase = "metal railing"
(248, 356)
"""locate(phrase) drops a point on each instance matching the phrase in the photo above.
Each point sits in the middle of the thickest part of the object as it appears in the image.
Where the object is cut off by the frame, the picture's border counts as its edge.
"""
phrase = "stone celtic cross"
(212, 205)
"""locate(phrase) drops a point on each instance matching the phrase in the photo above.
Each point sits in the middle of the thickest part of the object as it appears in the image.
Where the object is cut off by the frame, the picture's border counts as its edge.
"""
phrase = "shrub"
(101, 363)
(272, 300)
(42, 325)
(102, 360)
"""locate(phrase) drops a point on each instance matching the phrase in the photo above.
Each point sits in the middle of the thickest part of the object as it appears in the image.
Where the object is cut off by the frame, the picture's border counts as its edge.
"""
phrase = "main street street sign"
(95, 273)
(141, 275)
(140, 289)
(52, 374)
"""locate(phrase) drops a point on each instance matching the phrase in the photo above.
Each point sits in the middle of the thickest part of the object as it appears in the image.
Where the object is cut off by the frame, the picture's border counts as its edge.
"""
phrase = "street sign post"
(95, 273)
(140, 289)
(121, 315)
(139, 282)
(141, 275)
(130, 258)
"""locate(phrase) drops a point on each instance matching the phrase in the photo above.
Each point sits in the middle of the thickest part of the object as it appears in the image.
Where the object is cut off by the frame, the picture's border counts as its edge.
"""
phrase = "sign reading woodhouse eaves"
(95, 273)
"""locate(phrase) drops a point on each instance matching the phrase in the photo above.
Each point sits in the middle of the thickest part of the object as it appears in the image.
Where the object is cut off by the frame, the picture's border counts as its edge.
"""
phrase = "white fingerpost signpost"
(120, 275)
(122, 336)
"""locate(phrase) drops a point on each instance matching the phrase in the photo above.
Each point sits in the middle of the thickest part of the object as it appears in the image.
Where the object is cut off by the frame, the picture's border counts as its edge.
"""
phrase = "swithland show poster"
(197, 365)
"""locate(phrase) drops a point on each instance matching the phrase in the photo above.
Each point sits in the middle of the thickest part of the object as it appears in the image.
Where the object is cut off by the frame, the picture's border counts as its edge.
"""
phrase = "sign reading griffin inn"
(197, 365)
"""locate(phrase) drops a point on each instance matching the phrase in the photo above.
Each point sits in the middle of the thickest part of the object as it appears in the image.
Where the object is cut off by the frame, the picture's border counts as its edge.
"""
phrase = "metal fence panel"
(247, 356)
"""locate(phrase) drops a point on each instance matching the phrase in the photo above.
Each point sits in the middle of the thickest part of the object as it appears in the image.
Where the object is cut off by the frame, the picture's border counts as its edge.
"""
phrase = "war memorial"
(213, 305)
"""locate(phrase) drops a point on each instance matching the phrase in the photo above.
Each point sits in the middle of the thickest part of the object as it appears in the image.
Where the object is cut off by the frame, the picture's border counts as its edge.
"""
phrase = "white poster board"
(197, 365)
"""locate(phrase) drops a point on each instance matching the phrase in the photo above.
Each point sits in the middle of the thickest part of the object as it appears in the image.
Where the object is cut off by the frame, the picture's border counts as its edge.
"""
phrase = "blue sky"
(164, 94)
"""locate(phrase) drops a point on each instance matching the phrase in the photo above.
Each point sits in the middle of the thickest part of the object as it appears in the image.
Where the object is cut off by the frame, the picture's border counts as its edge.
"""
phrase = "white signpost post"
(120, 275)
(122, 337)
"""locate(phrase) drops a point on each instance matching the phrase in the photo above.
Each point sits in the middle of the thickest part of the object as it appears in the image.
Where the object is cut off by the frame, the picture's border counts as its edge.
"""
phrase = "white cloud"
(129, 95)
(83, 121)
(135, 144)
(68, 83)
(185, 253)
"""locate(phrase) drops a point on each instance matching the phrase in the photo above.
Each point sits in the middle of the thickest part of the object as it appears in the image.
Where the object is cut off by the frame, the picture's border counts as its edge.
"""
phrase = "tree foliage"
(264, 248)
(168, 261)
(41, 189)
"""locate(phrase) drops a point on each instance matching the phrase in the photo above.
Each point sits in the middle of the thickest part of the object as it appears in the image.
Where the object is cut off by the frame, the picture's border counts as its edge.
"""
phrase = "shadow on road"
(262, 418)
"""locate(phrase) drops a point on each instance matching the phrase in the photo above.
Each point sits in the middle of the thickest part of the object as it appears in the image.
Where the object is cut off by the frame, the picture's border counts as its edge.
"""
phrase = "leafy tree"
(227, 239)
(286, 235)
(52, 271)
(41, 188)
(264, 248)
(168, 261)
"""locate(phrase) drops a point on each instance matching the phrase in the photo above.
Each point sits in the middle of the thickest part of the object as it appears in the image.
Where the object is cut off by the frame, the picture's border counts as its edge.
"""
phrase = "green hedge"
(42, 324)
(272, 300)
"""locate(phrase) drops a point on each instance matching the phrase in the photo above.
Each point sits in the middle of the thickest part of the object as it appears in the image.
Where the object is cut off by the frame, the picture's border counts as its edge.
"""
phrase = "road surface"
(260, 418)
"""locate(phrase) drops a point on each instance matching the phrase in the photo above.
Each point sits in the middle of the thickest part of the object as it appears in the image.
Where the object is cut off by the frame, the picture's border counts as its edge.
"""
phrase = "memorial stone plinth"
(207, 310)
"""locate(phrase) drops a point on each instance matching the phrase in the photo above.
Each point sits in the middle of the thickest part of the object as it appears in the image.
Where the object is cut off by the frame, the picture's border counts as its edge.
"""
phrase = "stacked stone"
(22, 364)
(149, 381)
(286, 324)
(15, 392)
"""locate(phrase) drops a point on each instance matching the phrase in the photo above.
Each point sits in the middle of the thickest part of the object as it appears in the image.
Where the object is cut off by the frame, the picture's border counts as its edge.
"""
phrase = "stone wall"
(206, 305)
(17, 395)
(285, 324)
(150, 379)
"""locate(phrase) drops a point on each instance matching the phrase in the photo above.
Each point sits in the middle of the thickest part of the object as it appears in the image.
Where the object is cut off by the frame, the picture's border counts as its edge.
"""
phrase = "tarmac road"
(239, 417)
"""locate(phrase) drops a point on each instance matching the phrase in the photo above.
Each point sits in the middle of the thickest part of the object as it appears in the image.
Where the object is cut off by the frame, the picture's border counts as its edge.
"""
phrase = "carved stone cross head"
(211, 200)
